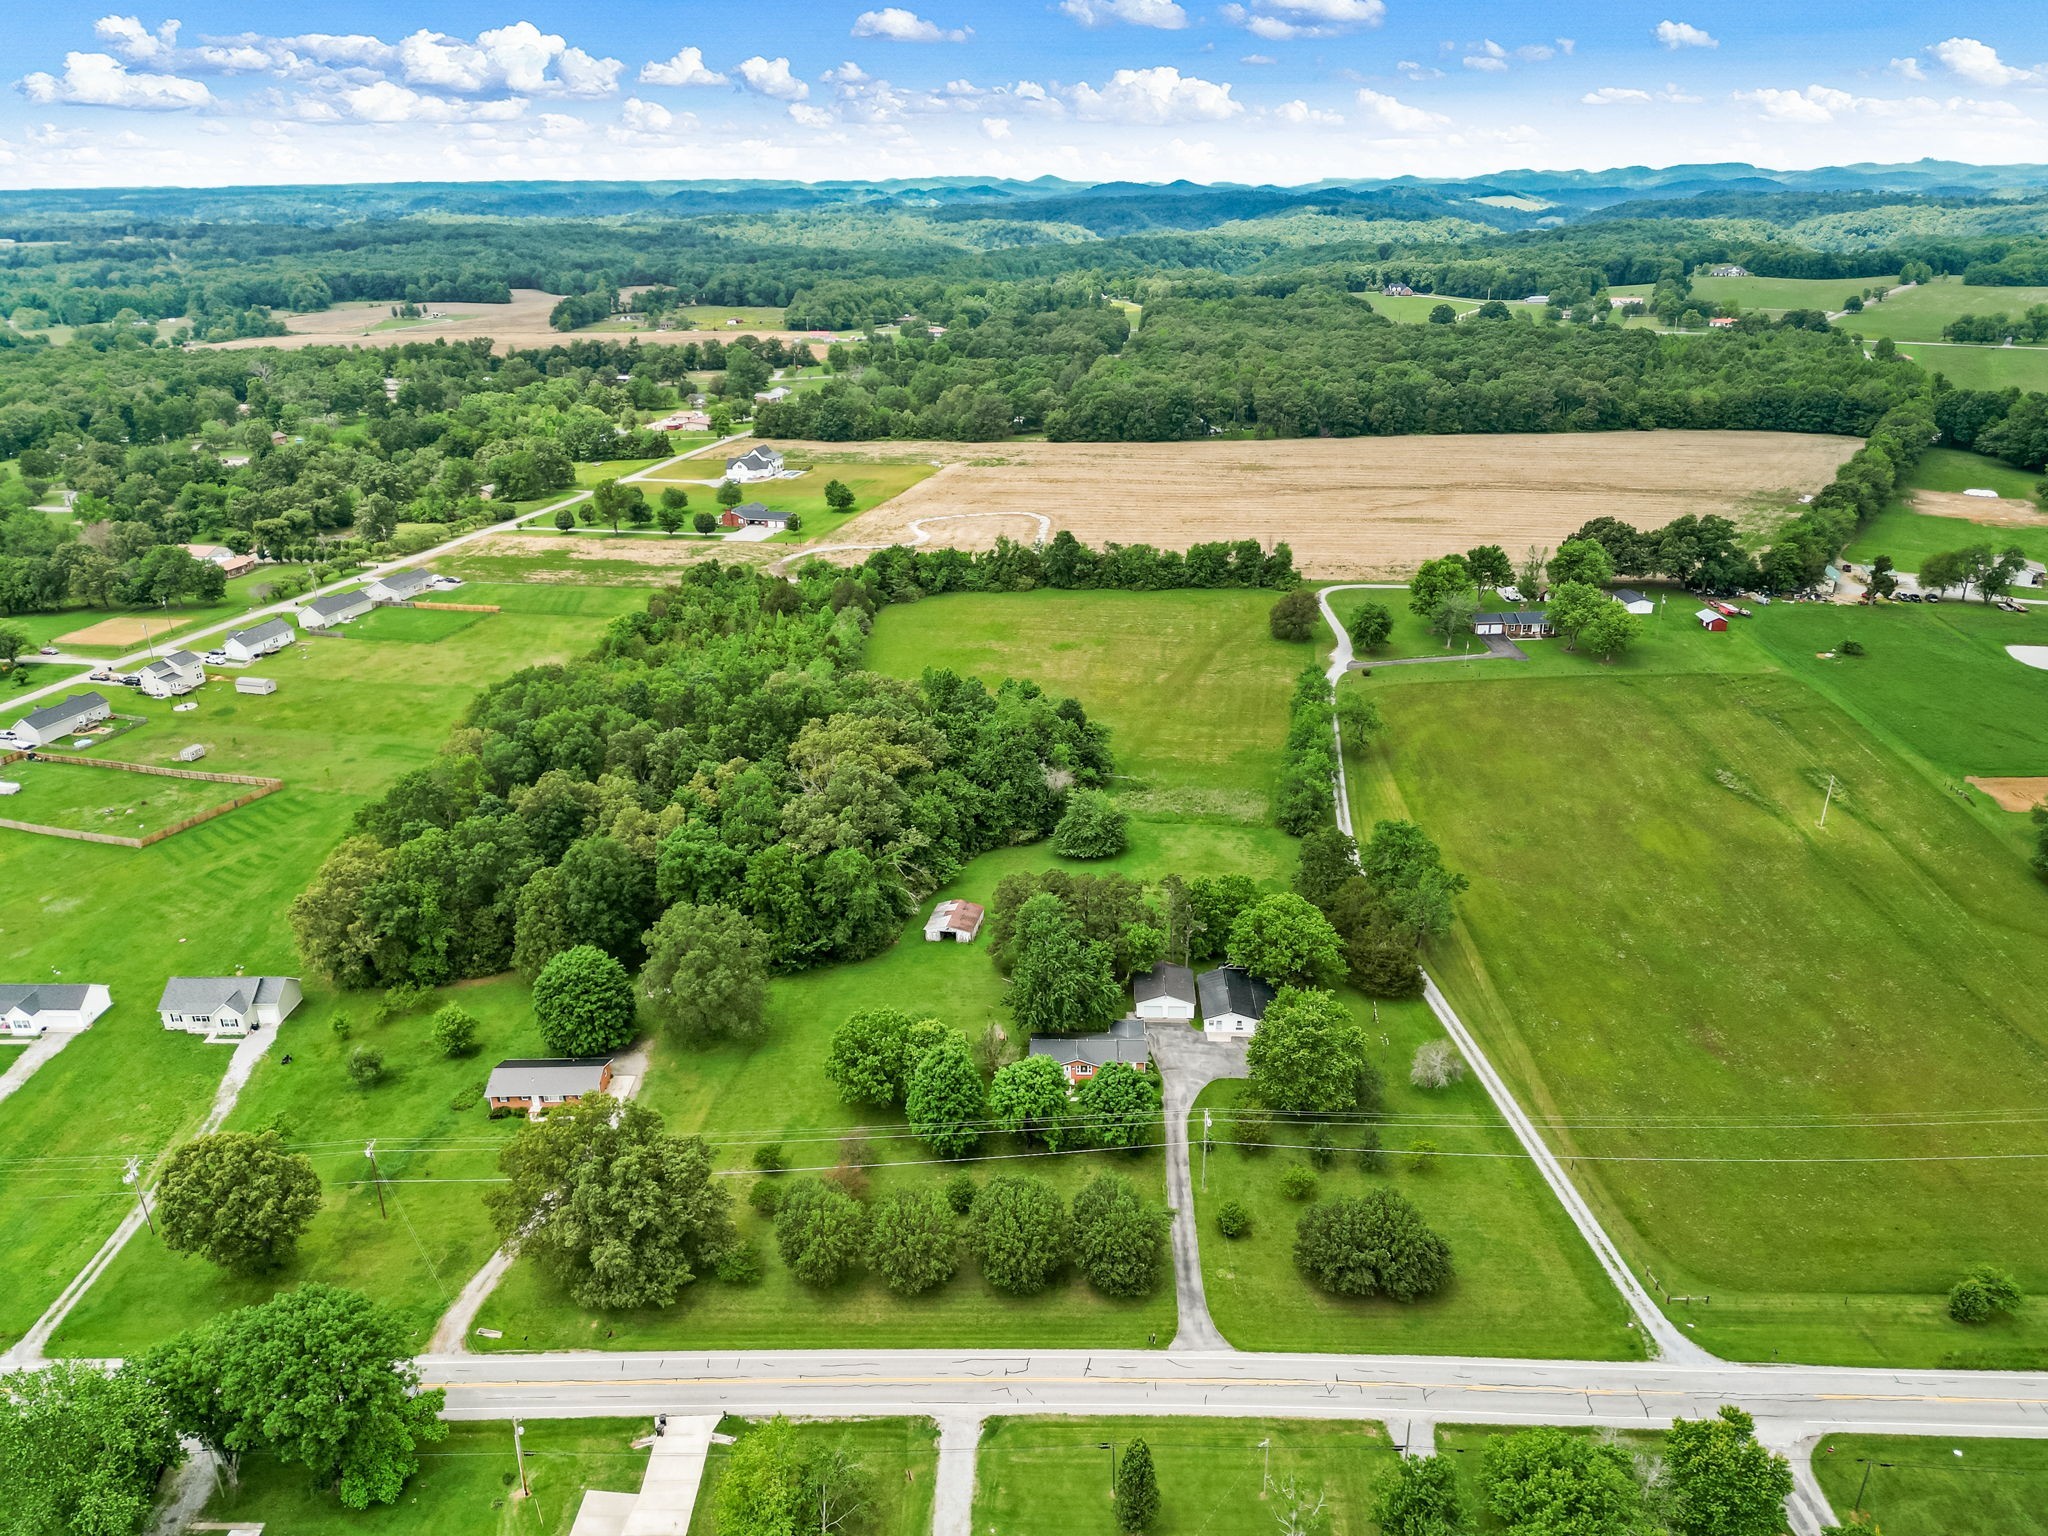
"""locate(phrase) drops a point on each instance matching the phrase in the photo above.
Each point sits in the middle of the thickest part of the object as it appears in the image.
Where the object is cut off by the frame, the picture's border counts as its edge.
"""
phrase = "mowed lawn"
(467, 1485)
(346, 719)
(163, 622)
(1919, 313)
(1909, 535)
(1982, 367)
(900, 1456)
(871, 484)
(1927, 1487)
(1798, 1047)
(107, 800)
(1217, 1477)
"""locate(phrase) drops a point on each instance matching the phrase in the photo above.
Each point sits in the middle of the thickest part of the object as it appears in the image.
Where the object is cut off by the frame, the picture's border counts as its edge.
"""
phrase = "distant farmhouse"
(532, 1084)
(1729, 270)
(959, 921)
(41, 727)
(1233, 1002)
(758, 464)
(401, 586)
(770, 396)
(336, 609)
(26, 1010)
(754, 514)
(248, 644)
(219, 554)
(1398, 291)
(1516, 624)
(1166, 993)
(1634, 601)
(172, 676)
(1082, 1056)
(227, 1005)
(682, 421)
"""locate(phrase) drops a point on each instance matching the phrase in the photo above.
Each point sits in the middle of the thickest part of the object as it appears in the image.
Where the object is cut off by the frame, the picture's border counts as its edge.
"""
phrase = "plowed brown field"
(1364, 506)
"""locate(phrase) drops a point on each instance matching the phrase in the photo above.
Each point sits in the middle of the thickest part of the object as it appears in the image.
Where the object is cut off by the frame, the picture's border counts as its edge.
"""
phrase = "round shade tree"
(1092, 827)
(1021, 1234)
(820, 1231)
(947, 1099)
(706, 976)
(1308, 1057)
(914, 1240)
(1283, 938)
(1119, 1106)
(1295, 617)
(1119, 1239)
(1420, 1498)
(236, 1199)
(1029, 1098)
(868, 1060)
(455, 1030)
(1375, 1244)
(584, 1003)
(1371, 625)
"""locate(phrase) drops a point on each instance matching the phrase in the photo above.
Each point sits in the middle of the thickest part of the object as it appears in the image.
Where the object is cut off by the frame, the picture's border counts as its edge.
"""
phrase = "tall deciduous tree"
(869, 1059)
(237, 1199)
(1420, 1498)
(1573, 606)
(1119, 1106)
(618, 1211)
(1435, 580)
(1722, 1482)
(1370, 626)
(1136, 1502)
(913, 1240)
(1582, 560)
(81, 1450)
(1119, 1239)
(1021, 1233)
(1295, 617)
(1375, 1244)
(948, 1100)
(706, 976)
(1547, 1480)
(1093, 826)
(820, 1231)
(1282, 938)
(1308, 1057)
(584, 1003)
(1061, 982)
(1029, 1098)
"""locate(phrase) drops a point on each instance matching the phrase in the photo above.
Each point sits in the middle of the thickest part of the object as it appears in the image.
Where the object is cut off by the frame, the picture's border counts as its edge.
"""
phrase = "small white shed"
(191, 754)
(255, 685)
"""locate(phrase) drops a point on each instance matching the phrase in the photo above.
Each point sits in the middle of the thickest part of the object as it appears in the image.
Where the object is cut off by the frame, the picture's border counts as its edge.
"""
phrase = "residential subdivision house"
(1233, 1002)
(533, 1084)
(227, 1005)
(1082, 1056)
(263, 639)
(40, 727)
(27, 1009)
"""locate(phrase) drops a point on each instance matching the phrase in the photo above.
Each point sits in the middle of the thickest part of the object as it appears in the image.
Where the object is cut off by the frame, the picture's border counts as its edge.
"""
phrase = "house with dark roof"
(401, 586)
(169, 677)
(755, 464)
(227, 1006)
(28, 1009)
(40, 727)
(1165, 993)
(754, 514)
(1082, 1056)
(262, 640)
(335, 608)
(534, 1084)
(1635, 602)
(1233, 1002)
(1516, 624)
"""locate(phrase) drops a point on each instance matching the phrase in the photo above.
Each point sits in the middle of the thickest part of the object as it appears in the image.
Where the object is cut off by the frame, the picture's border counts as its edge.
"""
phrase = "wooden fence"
(259, 788)
(459, 607)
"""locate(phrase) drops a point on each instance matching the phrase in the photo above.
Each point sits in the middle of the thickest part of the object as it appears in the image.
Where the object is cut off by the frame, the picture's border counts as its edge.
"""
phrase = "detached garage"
(1710, 619)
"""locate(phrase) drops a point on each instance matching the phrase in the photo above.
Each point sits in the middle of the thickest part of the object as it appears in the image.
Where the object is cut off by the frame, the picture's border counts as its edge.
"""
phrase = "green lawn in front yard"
(109, 800)
(1678, 970)
(209, 900)
(1037, 1475)
(467, 1485)
(1923, 1486)
(1415, 309)
(416, 626)
(1921, 311)
(901, 1457)
(871, 484)
(1909, 536)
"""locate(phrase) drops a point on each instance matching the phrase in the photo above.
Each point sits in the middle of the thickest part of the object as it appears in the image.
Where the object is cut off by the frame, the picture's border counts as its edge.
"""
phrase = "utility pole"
(519, 1455)
(1208, 1122)
(376, 1178)
(1266, 1479)
(1109, 1446)
(1830, 800)
(133, 1175)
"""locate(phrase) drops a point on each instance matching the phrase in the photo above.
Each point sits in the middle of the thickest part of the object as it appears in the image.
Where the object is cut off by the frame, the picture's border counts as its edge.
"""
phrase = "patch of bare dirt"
(2011, 794)
(1992, 511)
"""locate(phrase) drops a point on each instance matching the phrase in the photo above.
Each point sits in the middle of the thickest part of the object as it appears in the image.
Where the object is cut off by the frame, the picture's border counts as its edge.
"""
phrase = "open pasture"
(1351, 506)
(1723, 1013)
(1969, 366)
(872, 484)
(107, 799)
(1912, 1485)
(1919, 313)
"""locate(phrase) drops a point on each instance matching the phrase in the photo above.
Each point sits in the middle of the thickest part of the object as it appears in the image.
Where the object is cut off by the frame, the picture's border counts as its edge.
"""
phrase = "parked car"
(48, 650)
(215, 658)
(130, 679)
(102, 675)
(1931, 597)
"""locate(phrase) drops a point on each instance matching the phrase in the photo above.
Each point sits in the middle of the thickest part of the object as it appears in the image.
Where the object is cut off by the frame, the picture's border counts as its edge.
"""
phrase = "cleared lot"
(1349, 506)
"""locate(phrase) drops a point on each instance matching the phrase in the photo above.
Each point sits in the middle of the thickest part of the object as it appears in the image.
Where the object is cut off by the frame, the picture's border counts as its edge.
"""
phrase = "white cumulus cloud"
(646, 116)
(1389, 112)
(135, 42)
(1282, 20)
(1977, 62)
(1166, 15)
(101, 80)
(686, 68)
(897, 25)
(1907, 68)
(1683, 34)
(1304, 115)
(771, 77)
(386, 101)
(1158, 95)
(995, 127)
(1614, 95)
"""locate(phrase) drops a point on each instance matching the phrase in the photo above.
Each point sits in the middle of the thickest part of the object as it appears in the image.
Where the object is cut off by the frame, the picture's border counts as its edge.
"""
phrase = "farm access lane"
(253, 615)
(1670, 1343)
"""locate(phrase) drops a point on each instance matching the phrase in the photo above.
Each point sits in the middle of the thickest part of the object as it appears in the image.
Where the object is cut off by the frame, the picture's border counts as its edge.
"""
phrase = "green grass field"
(1982, 367)
(164, 623)
(468, 1484)
(206, 901)
(901, 1457)
(871, 484)
(1920, 312)
(1414, 309)
(415, 626)
(107, 799)
(1672, 962)
(1927, 1487)
(1038, 1475)
(1910, 536)
(1775, 295)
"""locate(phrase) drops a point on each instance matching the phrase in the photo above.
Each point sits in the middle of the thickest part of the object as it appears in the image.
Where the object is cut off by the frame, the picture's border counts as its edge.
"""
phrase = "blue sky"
(1239, 90)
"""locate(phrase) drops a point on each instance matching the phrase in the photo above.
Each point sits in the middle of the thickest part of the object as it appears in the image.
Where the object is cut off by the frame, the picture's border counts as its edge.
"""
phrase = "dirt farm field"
(522, 323)
(124, 629)
(2021, 794)
(1350, 506)
(1996, 512)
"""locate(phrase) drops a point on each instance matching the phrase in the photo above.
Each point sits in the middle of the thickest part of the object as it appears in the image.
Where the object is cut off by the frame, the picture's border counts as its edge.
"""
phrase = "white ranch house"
(335, 609)
(28, 1009)
(264, 639)
(1233, 1003)
(227, 1005)
(1635, 602)
(40, 727)
(402, 586)
(1165, 994)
